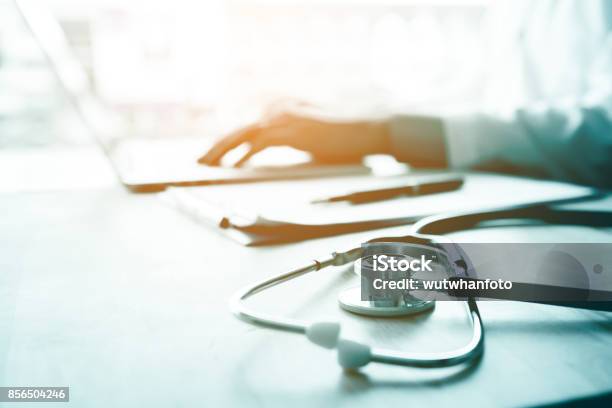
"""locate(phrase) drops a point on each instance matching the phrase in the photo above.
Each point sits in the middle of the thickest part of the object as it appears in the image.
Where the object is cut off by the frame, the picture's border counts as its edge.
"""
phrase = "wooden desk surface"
(125, 301)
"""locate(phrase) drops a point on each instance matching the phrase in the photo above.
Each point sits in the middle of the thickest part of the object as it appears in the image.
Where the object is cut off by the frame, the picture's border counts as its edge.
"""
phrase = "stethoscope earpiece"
(324, 334)
(351, 354)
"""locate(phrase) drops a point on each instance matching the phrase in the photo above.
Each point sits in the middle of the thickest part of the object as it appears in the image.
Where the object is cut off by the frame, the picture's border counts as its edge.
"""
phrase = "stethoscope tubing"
(424, 228)
(425, 360)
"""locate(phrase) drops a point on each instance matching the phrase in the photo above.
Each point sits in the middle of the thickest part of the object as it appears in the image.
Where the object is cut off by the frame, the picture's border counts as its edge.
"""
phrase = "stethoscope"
(427, 232)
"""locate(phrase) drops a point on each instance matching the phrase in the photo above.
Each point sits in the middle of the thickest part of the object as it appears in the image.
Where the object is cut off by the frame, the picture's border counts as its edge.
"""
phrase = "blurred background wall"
(214, 57)
(179, 66)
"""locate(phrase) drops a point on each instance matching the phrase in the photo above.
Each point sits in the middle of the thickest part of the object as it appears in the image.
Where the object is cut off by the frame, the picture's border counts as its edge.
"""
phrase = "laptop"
(144, 164)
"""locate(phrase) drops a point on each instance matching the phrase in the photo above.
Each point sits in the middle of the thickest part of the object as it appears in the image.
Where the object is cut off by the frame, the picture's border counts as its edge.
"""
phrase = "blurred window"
(34, 110)
(179, 66)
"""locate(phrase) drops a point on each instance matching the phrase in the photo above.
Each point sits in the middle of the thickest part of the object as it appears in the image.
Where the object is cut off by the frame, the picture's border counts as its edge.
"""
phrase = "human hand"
(329, 141)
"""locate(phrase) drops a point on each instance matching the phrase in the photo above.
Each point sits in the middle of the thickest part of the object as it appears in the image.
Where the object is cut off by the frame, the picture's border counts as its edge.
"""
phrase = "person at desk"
(552, 67)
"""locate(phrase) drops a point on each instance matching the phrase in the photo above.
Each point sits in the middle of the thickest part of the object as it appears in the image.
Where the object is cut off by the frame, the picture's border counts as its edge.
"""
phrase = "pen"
(410, 190)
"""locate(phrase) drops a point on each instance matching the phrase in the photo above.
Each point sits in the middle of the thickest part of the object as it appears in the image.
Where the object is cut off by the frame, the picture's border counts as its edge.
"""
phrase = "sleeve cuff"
(418, 140)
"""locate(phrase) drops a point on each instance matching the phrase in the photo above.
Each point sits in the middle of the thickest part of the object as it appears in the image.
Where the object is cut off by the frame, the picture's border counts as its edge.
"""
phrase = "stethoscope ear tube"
(467, 353)
(432, 227)
(545, 211)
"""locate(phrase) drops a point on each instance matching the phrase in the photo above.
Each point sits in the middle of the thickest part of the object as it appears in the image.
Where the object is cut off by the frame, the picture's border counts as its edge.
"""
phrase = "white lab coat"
(548, 93)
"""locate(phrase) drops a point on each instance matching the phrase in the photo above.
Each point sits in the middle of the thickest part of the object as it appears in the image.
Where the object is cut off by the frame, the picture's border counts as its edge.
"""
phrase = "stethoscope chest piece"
(350, 300)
